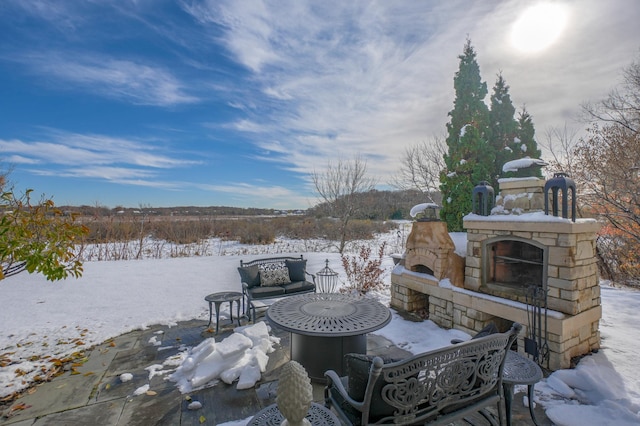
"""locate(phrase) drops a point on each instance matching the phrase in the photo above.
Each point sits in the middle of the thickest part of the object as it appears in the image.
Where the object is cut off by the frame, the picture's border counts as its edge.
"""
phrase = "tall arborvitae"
(502, 128)
(528, 147)
(469, 158)
(522, 145)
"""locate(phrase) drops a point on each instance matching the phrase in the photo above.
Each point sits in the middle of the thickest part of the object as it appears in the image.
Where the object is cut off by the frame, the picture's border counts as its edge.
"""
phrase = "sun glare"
(538, 27)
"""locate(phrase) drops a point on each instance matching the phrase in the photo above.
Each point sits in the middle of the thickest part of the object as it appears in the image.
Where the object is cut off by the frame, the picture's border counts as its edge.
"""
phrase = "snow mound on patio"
(241, 356)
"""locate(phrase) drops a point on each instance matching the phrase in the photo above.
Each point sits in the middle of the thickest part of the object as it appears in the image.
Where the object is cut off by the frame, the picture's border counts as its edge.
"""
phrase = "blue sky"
(174, 103)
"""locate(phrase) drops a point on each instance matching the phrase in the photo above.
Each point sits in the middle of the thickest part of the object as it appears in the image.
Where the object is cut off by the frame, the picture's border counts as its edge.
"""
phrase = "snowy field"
(41, 320)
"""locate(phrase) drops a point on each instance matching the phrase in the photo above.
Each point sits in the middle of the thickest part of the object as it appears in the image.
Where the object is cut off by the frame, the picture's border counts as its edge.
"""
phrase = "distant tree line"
(103, 211)
(381, 205)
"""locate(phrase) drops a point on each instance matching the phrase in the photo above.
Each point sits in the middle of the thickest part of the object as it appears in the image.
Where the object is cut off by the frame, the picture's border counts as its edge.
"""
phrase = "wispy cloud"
(278, 88)
(126, 80)
(361, 77)
(66, 148)
(117, 175)
(347, 77)
(257, 194)
(116, 160)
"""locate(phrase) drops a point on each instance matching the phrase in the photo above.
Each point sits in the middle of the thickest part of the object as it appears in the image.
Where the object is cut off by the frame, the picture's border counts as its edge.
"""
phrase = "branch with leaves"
(38, 238)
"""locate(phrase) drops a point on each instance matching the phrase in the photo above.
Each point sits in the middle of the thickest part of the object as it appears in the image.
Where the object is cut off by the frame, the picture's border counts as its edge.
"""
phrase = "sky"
(41, 318)
(163, 103)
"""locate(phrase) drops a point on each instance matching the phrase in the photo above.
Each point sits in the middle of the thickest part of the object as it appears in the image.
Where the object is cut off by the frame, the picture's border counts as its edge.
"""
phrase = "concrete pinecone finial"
(295, 394)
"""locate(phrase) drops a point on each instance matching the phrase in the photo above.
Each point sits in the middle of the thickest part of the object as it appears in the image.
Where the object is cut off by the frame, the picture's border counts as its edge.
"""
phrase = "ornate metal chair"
(436, 387)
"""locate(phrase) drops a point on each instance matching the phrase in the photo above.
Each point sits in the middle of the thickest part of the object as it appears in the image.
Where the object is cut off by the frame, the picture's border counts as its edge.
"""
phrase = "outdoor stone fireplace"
(521, 265)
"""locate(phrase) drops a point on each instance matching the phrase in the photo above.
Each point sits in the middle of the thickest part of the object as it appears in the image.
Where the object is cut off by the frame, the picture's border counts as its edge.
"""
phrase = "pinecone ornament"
(295, 394)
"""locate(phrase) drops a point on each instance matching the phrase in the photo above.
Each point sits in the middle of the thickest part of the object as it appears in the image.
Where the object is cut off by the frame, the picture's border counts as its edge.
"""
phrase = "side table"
(318, 415)
(218, 299)
(519, 370)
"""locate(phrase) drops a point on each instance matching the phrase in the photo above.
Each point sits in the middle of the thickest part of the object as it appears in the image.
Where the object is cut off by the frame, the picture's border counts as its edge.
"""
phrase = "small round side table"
(519, 370)
(218, 299)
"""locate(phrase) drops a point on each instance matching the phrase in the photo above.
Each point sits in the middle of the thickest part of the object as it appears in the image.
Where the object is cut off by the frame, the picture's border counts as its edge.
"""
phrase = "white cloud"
(126, 80)
(255, 194)
(305, 81)
(380, 75)
(89, 149)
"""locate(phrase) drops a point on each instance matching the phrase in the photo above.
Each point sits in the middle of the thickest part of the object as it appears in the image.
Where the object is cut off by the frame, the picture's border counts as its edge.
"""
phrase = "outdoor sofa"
(274, 277)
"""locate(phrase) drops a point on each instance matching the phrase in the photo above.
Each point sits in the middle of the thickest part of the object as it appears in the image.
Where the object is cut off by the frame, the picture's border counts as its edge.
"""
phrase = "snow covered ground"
(40, 320)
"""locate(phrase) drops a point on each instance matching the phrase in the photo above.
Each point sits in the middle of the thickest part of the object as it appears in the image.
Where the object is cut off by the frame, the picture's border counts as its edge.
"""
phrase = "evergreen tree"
(527, 143)
(469, 164)
(468, 152)
(502, 129)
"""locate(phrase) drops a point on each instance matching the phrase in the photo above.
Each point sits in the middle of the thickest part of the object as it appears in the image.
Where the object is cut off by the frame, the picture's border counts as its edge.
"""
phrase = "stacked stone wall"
(521, 196)
(572, 273)
(567, 336)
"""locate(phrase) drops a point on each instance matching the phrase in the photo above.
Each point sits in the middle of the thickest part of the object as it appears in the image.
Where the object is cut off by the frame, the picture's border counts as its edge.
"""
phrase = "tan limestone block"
(585, 250)
(562, 256)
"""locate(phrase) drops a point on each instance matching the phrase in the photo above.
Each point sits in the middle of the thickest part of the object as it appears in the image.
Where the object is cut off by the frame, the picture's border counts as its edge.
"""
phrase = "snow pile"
(242, 356)
(593, 388)
(419, 208)
(522, 163)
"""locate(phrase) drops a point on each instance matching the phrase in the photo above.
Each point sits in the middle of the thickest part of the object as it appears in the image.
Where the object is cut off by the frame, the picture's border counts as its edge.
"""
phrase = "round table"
(317, 415)
(326, 326)
(519, 370)
(218, 299)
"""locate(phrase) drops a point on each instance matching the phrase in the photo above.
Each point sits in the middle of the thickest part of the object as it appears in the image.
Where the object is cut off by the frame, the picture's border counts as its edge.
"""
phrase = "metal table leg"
(217, 315)
(508, 401)
(531, 403)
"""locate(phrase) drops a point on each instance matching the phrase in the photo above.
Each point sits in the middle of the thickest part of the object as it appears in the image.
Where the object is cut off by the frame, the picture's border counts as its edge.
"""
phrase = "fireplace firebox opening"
(513, 265)
(423, 269)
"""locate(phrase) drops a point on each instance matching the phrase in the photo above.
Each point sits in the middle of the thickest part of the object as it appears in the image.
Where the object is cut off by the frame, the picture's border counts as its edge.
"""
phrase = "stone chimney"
(520, 195)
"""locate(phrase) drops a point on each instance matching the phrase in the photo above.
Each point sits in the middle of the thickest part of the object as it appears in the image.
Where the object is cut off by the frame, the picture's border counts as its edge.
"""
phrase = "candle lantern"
(327, 279)
(483, 199)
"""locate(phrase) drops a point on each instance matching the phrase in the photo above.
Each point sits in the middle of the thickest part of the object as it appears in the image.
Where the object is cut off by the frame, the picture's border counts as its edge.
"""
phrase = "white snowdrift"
(241, 356)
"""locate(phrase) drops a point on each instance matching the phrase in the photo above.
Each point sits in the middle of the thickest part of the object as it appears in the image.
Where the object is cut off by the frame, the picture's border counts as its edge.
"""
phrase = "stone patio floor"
(97, 396)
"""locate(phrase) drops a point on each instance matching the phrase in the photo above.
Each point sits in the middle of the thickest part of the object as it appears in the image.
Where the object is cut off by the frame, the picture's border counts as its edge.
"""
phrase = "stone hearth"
(514, 248)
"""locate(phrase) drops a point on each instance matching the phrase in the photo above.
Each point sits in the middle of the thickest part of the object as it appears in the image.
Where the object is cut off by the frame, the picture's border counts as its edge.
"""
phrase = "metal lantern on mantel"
(483, 199)
(327, 279)
(561, 186)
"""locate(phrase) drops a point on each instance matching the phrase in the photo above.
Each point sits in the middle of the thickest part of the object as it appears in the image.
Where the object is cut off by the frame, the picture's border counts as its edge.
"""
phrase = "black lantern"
(560, 184)
(483, 199)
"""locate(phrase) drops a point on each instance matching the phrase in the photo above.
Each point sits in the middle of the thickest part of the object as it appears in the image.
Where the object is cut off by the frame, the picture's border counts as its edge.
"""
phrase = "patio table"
(326, 326)
(318, 415)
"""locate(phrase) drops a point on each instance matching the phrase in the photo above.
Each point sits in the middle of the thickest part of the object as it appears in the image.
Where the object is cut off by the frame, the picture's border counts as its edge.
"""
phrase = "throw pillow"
(358, 366)
(273, 277)
(250, 275)
(296, 269)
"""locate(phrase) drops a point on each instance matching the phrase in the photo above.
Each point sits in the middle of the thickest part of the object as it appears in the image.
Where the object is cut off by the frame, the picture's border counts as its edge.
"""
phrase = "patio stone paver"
(98, 396)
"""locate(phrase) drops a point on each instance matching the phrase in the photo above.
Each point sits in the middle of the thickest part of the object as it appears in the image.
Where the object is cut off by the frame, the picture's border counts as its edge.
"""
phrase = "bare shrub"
(364, 273)
(126, 237)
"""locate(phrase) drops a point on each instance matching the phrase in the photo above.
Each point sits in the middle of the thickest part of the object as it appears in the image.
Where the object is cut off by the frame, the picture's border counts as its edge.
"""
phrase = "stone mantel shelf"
(530, 223)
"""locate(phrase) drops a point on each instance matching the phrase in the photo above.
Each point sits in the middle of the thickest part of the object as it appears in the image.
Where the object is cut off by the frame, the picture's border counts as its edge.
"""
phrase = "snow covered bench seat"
(274, 277)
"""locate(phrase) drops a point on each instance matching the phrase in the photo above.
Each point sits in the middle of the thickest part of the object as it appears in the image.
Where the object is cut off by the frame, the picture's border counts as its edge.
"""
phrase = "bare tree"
(560, 143)
(622, 106)
(607, 165)
(337, 187)
(421, 167)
